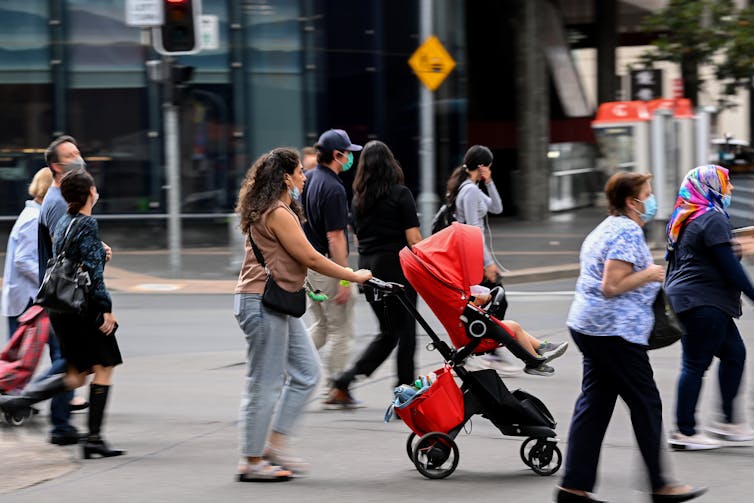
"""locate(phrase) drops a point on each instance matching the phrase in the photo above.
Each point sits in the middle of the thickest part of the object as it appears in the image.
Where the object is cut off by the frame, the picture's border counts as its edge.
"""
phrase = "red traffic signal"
(179, 33)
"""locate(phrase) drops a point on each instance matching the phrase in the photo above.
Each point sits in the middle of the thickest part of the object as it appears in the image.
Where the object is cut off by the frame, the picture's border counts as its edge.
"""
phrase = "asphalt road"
(175, 406)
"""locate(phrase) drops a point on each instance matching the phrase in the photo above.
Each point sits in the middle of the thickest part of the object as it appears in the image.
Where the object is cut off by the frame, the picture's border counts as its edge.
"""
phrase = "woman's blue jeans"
(710, 333)
(282, 371)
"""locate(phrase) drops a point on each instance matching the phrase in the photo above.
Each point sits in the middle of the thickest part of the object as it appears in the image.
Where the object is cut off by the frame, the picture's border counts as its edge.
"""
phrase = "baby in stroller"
(442, 269)
(492, 302)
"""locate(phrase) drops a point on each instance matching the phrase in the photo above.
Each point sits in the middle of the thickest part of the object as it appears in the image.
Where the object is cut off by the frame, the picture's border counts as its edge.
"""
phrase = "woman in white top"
(21, 276)
(471, 203)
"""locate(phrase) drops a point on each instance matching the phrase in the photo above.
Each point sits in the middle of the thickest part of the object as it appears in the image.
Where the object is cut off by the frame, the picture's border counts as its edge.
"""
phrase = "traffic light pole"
(427, 197)
(173, 178)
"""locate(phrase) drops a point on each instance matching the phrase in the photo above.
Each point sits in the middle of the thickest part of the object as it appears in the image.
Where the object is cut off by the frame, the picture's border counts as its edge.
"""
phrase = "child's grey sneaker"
(552, 350)
(542, 370)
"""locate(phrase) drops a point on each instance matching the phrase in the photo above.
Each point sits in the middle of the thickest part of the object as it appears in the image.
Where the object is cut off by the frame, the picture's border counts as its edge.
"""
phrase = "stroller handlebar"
(383, 286)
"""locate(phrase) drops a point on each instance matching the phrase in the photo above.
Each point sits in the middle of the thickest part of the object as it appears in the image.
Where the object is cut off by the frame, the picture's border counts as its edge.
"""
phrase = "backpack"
(443, 218)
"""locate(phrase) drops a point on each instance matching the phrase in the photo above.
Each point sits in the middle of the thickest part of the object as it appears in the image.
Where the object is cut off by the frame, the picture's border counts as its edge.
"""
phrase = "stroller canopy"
(455, 254)
(442, 268)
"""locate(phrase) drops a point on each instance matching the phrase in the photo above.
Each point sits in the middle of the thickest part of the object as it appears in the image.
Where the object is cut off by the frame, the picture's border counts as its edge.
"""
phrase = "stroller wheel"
(435, 455)
(410, 446)
(15, 418)
(543, 457)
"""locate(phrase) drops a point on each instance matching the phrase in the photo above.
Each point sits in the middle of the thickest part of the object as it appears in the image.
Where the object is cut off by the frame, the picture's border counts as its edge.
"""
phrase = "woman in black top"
(384, 220)
(87, 340)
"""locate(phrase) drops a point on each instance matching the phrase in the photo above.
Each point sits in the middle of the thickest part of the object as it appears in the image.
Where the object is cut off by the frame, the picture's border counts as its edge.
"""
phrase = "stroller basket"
(438, 408)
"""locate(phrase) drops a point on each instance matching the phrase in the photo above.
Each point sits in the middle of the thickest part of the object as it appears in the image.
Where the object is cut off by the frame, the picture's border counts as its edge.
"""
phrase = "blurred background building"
(529, 75)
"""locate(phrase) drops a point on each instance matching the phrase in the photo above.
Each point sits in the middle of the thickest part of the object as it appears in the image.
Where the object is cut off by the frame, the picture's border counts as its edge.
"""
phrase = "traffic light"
(179, 33)
(180, 76)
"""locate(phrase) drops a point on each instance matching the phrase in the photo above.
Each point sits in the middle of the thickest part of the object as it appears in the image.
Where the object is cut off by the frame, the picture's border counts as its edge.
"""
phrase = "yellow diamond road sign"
(431, 63)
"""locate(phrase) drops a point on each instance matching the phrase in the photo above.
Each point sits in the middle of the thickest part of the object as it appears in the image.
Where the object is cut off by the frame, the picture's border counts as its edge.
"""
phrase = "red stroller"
(442, 269)
(21, 355)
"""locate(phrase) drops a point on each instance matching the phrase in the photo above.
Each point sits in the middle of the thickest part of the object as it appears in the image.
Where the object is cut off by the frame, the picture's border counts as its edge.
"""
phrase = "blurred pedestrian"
(472, 205)
(308, 158)
(610, 320)
(704, 285)
(385, 221)
(326, 227)
(61, 156)
(282, 367)
(21, 273)
(88, 339)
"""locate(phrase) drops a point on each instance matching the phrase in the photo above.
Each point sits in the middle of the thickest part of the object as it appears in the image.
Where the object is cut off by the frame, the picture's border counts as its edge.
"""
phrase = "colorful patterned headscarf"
(701, 191)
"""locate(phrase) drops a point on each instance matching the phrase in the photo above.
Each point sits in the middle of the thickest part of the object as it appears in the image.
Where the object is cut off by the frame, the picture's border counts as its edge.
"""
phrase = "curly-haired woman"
(282, 367)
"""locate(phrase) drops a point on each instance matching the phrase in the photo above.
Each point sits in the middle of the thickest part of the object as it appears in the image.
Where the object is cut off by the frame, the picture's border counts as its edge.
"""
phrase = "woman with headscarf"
(704, 285)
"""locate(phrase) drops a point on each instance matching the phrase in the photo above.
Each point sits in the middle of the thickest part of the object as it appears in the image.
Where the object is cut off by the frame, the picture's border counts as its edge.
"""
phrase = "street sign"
(431, 63)
(646, 84)
(209, 32)
(144, 13)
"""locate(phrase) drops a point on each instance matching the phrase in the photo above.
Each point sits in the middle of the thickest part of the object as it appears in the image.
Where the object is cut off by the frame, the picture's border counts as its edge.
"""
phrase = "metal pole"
(173, 187)
(427, 199)
(702, 131)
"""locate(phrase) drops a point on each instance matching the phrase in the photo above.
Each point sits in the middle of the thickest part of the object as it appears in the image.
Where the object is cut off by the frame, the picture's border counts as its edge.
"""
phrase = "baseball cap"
(336, 139)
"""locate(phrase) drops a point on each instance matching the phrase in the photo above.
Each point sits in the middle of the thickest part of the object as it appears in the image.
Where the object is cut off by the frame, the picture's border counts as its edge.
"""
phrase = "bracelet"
(345, 282)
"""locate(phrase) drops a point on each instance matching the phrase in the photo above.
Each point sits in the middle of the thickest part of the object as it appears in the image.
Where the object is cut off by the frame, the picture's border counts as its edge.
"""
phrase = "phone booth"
(672, 149)
(621, 129)
(655, 136)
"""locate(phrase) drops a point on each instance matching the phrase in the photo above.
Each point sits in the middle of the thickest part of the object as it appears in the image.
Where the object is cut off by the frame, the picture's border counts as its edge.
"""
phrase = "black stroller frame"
(517, 413)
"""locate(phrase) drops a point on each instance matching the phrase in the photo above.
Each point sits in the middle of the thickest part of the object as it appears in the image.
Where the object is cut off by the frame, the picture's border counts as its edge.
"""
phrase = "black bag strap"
(70, 232)
(258, 253)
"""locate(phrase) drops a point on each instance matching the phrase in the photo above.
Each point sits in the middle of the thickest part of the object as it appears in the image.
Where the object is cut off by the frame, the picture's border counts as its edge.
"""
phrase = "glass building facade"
(283, 72)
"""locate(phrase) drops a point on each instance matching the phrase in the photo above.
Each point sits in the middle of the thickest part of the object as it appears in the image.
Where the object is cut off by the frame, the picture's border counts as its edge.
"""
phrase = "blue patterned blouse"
(628, 315)
(87, 248)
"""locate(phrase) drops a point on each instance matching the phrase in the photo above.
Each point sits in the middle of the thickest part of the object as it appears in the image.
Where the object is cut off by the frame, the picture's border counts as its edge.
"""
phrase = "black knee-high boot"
(33, 393)
(94, 444)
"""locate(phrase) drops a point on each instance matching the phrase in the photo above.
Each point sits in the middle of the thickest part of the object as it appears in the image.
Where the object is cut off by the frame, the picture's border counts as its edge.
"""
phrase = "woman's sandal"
(296, 465)
(262, 472)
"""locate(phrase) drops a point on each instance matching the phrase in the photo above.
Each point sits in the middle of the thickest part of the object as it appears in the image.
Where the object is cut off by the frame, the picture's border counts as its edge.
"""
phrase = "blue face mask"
(349, 162)
(724, 199)
(294, 193)
(650, 208)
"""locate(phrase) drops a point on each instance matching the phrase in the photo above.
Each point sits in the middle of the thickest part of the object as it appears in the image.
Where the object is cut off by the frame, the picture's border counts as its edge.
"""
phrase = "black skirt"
(82, 343)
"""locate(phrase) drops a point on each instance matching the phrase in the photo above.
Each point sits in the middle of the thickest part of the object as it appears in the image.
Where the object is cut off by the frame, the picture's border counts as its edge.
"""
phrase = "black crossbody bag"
(275, 297)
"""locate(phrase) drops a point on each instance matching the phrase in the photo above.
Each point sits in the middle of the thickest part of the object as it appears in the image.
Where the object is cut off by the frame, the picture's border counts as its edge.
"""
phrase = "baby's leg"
(527, 341)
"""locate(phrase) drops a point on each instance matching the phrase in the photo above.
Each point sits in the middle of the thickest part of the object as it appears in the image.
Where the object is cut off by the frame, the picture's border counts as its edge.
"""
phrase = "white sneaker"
(732, 432)
(503, 366)
(696, 442)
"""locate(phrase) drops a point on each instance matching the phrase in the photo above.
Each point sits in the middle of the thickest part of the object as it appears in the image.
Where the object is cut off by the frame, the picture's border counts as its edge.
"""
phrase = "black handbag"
(667, 329)
(275, 297)
(65, 286)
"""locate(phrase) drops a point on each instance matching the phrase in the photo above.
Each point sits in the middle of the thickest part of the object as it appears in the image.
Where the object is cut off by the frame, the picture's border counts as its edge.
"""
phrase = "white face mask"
(96, 198)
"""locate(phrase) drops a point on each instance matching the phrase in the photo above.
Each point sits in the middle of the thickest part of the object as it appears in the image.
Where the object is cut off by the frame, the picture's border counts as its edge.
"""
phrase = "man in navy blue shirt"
(326, 207)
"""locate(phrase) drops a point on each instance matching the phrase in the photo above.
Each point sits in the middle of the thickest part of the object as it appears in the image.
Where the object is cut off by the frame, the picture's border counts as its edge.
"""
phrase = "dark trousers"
(13, 321)
(397, 326)
(710, 332)
(613, 367)
(60, 404)
(12, 326)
